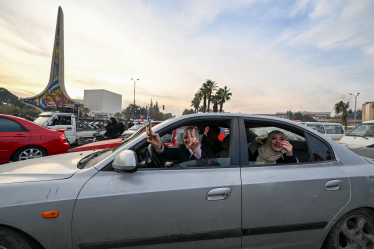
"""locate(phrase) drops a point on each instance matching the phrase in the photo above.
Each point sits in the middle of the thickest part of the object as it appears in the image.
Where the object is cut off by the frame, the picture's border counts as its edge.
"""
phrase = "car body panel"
(353, 142)
(148, 203)
(22, 203)
(12, 141)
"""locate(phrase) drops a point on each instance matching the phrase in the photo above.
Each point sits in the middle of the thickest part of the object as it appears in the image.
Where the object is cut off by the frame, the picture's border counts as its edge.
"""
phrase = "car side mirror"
(125, 161)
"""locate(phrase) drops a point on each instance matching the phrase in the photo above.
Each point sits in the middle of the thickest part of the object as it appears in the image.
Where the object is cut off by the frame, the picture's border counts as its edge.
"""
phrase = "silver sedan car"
(133, 196)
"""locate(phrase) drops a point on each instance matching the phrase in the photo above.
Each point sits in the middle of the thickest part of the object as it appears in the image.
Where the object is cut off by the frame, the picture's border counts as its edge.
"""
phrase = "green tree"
(298, 116)
(225, 95)
(204, 93)
(342, 107)
(195, 103)
(117, 115)
(308, 118)
(211, 86)
(186, 111)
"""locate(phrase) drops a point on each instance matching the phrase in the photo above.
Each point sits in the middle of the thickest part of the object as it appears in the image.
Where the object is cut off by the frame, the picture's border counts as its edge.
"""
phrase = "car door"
(12, 137)
(289, 205)
(162, 208)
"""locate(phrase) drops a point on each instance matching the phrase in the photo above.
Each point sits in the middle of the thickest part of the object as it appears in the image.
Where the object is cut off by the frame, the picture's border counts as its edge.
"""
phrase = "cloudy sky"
(273, 55)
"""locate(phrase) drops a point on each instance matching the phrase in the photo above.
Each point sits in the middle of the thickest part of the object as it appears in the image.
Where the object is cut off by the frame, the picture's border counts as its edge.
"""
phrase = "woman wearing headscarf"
(190, 150)
(179, 139)
(275, 149)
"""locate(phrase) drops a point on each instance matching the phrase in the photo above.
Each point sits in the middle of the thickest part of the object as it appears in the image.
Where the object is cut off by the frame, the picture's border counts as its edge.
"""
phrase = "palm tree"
(196, 101)
(211, 87)
(204, 92)
(225, 95)
(215, 100)
(342, 107)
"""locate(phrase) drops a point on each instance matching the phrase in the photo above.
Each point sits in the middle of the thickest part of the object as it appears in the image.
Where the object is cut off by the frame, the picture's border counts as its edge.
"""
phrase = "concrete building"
(367, 111)
(102, 101)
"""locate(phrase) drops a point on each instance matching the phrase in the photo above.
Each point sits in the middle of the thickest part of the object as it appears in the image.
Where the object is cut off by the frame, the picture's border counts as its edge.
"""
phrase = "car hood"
(41, 169)
(354, 142)
(105, 144)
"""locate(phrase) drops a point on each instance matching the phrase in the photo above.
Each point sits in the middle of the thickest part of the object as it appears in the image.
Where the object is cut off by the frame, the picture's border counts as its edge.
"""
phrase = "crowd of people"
(116, 127)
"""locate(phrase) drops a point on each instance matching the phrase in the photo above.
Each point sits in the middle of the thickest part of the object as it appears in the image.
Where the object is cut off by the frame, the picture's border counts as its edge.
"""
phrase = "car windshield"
(363, 130)
(42, 119)
(135, 127)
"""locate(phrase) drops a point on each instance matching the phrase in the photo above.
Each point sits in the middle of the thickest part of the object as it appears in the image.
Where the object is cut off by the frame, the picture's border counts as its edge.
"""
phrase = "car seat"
(225, 153)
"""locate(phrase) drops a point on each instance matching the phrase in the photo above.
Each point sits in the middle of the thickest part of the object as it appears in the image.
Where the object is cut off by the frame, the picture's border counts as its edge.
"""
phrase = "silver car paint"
(21, 204)
(153, 203)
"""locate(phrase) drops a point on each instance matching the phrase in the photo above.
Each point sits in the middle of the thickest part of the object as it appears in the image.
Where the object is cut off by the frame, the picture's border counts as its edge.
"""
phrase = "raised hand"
(288, 147)
(156, 142)
(193, 143)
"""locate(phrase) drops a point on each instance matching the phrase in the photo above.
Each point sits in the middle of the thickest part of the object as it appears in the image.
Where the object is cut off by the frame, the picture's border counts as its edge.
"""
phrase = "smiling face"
(276, 141)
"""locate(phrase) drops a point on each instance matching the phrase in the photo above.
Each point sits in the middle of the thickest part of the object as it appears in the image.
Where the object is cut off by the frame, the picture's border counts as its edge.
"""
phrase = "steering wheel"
(153, 156)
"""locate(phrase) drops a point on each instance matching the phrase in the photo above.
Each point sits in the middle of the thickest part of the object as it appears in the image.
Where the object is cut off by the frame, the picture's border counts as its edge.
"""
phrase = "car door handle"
(218, 194)
(333, 185)
(19, 135)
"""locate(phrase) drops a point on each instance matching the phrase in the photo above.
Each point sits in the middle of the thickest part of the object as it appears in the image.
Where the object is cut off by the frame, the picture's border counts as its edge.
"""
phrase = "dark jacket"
(120, 128)
(217, 147)
(111, 129)
(182, 154)
(130, 125)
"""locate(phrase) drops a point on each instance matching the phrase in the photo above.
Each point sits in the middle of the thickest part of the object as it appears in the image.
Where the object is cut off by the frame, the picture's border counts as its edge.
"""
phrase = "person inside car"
(190, 150)
(64, 121)
(275, 149)
(179, 139)
(212, 136)
(370, 132)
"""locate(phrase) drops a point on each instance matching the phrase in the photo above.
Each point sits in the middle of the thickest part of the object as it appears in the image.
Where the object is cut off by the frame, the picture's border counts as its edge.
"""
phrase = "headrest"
(226, 142)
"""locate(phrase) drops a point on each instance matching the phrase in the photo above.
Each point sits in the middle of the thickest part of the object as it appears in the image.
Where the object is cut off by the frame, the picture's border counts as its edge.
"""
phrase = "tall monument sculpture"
(54, 96)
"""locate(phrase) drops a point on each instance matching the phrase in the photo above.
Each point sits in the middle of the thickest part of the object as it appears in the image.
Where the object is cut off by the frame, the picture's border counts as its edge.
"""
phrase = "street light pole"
(134, 97)
(355, 107)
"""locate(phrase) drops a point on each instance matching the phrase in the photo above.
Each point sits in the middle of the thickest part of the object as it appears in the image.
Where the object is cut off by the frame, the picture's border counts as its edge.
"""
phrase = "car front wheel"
(10, 239)
(29, 153)
(354, 230)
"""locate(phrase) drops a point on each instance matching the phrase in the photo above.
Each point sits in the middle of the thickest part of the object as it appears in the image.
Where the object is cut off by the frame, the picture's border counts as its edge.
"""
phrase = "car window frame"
(22, 126)
(234, 145)
(243, 142)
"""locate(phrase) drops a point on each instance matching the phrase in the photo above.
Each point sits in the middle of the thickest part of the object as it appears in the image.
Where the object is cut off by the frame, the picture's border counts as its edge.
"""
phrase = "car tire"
(10, 239)
(354, 230)
(29, 152)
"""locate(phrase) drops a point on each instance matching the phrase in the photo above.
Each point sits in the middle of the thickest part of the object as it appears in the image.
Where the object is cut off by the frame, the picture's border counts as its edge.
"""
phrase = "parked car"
(111, 143)
(360, 136)
(334, 131)
(132, 130)
(125, 197)
(21, 139)
(76, 132)
(367, 151)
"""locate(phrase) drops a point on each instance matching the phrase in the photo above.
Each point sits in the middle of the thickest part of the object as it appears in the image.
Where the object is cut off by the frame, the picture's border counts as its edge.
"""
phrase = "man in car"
(64, 121)
(212, 135)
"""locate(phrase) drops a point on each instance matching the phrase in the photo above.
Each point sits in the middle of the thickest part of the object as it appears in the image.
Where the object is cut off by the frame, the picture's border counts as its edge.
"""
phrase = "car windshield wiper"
(88, 158)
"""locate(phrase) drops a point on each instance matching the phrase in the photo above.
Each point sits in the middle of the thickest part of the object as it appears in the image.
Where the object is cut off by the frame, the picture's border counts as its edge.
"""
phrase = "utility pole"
(133, 118)
(355, 107)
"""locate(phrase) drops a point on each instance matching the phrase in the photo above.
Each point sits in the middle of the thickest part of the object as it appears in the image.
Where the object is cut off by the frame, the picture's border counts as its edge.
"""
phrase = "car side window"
(334, 129)
(317, 127)
(214, 146)
(257, 135)
(320, 151)
(7, 125)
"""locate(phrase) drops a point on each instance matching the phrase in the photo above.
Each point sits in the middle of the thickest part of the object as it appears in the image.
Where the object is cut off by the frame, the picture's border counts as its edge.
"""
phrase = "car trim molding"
(284, 229)
(173, 238)
(220, 234)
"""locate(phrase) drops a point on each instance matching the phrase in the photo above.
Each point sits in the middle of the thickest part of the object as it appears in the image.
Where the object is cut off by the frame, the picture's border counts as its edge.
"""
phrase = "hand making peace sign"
(192, 142)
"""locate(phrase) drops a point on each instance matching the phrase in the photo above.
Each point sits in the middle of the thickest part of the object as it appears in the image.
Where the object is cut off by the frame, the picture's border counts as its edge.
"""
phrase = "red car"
(111, 143)
(21, 139)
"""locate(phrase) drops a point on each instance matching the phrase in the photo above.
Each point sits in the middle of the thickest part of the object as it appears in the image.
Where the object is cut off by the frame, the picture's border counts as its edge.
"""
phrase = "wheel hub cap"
(30, 154)
(356, 233)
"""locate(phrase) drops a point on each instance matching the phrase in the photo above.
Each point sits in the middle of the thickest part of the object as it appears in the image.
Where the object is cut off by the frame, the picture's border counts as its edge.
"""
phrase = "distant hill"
(7, 97)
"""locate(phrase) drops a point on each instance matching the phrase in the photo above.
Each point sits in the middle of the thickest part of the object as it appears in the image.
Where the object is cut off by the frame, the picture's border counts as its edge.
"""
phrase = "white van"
(334, 131)
(362, 135)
